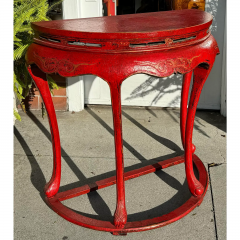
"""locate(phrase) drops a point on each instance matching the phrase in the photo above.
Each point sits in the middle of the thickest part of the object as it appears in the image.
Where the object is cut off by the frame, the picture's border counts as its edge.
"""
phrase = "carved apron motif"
(51, 65)
(174, 65)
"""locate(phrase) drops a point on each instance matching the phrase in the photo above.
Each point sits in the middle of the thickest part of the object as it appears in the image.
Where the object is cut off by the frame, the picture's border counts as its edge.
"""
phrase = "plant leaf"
(52, 84)
(20, 52)
(16, 115)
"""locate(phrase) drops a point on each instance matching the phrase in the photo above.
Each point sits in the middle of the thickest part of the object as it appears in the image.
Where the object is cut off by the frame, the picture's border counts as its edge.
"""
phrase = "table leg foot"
(120, 216)
(119, 233)
(201, 73)
(40, 79)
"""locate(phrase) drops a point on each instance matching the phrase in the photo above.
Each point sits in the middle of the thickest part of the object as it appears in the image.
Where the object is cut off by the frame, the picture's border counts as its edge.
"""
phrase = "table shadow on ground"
(38, 180)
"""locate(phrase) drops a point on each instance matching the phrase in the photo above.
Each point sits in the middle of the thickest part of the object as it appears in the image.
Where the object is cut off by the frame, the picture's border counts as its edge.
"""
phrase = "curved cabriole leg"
(183, 110)
(40, 79)
(120, 215)
(200, 75)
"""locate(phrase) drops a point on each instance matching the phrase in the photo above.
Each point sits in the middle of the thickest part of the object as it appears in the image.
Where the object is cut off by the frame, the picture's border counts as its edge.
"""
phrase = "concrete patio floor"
(150, 135)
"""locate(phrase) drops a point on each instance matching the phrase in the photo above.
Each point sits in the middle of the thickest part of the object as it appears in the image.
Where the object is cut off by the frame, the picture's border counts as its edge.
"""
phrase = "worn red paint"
(115, 48)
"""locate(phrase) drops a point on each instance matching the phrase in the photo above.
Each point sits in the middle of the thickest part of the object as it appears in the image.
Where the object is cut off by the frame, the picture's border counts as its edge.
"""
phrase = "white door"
(145, 90)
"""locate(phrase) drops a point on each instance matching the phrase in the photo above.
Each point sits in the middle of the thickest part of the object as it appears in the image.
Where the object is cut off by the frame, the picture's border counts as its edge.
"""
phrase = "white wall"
(211, 94)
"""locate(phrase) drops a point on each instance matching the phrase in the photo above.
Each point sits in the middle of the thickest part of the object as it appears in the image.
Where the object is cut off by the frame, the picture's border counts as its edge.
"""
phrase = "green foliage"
(25, 12)
(16, 115)
(52, 84)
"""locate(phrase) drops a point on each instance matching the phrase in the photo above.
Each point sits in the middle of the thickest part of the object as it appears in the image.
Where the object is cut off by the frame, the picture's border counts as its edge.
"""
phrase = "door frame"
(75, 86)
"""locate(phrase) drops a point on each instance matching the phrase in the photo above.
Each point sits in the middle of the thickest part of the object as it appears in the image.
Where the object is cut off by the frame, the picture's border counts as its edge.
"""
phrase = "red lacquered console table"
(114, 48)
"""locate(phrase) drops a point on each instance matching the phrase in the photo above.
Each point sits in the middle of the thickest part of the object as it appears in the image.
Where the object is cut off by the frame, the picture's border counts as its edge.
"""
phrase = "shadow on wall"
(137, 90)
(159, 87)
